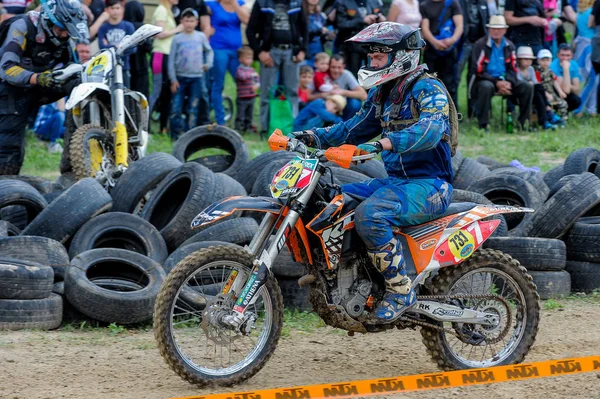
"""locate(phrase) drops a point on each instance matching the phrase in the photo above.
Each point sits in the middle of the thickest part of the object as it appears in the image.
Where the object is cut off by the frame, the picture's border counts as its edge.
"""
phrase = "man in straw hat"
(494, 71)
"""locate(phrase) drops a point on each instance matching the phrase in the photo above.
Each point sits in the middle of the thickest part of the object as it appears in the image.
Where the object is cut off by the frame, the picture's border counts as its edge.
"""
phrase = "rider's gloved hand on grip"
(369, 148)
(45, 79)
(304, 136)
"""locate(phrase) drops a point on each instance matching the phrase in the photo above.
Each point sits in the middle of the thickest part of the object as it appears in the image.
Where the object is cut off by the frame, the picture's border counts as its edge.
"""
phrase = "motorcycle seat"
(457, 207)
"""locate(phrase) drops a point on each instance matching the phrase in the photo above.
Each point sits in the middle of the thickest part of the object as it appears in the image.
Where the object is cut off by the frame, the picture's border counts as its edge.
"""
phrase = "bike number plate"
(293, 177)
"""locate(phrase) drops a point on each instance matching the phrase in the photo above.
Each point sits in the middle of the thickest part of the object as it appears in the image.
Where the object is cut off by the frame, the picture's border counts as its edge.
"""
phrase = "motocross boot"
(399, 295)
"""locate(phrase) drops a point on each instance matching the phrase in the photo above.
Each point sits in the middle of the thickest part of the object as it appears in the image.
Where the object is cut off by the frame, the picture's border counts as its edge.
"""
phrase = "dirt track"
(98, 364)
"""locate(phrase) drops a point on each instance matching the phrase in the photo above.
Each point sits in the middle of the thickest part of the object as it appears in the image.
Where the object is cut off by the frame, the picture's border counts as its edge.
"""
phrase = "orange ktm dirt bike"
(218, 316)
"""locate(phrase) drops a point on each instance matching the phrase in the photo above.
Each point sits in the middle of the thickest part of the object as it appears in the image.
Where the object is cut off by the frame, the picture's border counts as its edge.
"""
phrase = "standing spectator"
(306, 79)
(476, 14)
(226, 18)
(567, 72)
(442, 28)
(84, 53)
(277, 33)
(554, 22)
(190, 56)
(594, 22)
(140, 80)
(493, 66)
(405, 12)
(320, 112)
(583, 56)
(114, 30)
(351, 17)
(247, 82)
(317, 29)
(50, 124)
(161, 47)
(344, 84)
(554, 93)
(527, 20)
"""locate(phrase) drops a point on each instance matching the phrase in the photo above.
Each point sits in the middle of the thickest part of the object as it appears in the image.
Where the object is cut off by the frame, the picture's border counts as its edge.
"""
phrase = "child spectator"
(114, 30)
(247, 81)
(319, 112)
(306, 78)
(526, 73)
(50, 125)
(554, 21)
(190, 56)
(553, 92)
(321, 79)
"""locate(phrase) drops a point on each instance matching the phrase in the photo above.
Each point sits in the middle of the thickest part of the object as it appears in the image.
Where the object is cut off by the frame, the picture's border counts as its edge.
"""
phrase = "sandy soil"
(100, 364)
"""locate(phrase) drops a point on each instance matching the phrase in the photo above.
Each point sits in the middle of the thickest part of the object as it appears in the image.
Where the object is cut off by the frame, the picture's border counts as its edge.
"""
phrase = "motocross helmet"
(67, 15)
(402, 44)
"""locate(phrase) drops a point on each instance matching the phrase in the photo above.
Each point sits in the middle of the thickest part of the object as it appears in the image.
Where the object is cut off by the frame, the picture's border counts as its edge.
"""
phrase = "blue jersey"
(418, 151)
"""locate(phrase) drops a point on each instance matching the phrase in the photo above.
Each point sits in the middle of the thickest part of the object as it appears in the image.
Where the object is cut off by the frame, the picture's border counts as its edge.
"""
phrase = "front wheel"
(496, 284)
(89, 148)
(187, 329)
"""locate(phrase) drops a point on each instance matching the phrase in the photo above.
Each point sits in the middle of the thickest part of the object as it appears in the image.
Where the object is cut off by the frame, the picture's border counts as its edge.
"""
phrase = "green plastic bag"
(280, 111)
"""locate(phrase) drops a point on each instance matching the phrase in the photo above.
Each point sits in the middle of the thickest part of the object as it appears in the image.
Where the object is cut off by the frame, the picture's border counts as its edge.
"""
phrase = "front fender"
(83, 91)
(229, 206)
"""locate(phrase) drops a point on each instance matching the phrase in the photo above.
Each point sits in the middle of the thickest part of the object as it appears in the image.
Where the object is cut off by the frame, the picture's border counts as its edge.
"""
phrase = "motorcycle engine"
(352, 290)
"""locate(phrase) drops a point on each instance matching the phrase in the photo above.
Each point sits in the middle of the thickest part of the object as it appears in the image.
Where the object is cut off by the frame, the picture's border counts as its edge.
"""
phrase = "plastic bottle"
(509, 123)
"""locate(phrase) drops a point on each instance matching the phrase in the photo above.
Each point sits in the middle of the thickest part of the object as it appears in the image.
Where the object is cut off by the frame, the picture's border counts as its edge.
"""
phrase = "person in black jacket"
(35, 43)
(140, 80)
(352, 16)
(277, 33)
(494, 71)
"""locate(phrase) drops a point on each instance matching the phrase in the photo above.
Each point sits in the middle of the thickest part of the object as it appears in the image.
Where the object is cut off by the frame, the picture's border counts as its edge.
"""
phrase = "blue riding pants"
(396, 202)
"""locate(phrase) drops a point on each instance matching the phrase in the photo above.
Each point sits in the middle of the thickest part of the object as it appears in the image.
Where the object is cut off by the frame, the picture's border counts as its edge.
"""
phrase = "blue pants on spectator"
(193, 89)
(225, 60)
(352, 107)
(396, 202)
(53, 130)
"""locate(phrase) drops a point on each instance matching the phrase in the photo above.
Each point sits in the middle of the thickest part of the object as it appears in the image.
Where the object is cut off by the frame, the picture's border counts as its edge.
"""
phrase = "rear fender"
(461, 243)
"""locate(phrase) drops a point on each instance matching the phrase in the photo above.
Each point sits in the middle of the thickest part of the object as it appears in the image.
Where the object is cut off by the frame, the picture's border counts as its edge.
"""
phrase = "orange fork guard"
(341, 155)
(277, 141)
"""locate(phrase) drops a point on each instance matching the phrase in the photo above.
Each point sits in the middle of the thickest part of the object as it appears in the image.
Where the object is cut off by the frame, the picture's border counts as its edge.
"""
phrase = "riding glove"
(370, 148)
(45, 79)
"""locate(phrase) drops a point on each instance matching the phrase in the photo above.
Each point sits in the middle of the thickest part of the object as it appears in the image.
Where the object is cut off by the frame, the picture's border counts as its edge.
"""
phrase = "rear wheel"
(187, 327)
(486, 273)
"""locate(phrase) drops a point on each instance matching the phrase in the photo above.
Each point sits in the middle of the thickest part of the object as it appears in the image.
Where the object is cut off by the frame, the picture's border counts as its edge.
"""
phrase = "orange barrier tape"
(363, 388)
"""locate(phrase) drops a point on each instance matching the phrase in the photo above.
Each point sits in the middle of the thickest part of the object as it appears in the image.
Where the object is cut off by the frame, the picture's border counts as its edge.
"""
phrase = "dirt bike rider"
(34, 44)
(411, 112)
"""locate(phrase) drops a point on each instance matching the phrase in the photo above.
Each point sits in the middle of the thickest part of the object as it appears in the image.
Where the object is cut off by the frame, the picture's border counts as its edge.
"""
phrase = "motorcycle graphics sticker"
(462, 244)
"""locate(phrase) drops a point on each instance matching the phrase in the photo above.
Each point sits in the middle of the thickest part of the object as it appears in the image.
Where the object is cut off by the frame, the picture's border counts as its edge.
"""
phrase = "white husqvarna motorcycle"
(111, 121)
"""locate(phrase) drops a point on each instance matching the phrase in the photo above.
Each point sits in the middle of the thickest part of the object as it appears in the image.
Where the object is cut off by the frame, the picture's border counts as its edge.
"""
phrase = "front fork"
(118, 114)
(263, 262)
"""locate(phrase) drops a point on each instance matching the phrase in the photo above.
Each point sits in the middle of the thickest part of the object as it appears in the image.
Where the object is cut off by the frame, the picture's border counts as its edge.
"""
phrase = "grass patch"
(552, 304)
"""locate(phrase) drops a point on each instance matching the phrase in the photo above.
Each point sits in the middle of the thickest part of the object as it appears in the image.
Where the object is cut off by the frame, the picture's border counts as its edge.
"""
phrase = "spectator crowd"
(541, 56)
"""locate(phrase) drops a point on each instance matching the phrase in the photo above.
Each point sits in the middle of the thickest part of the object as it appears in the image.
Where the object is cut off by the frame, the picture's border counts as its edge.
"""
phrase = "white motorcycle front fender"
(82, 92)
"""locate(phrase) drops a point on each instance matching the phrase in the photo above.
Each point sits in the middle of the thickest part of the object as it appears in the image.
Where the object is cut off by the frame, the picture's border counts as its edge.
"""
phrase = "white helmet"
(401, 42)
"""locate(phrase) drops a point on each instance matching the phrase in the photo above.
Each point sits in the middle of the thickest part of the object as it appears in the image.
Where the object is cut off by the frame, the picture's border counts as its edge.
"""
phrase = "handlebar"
(68, 72)
(298, 146)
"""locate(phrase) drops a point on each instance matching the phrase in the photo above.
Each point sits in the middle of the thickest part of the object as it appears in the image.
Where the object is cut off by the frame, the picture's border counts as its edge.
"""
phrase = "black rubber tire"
(216, 163)
(490, 162)
(20, 279)
(539, 254)
(42, 185)
(285, 267)
(118, 306)
(374, 169)
(509, 190)
(168, 294)
(264, 179)
(238, 231)
(470, 196)
(536, 179)
(39, 314)
(178, 199)
(53, 195)
(8, 229)
(67, 213)
(65, 181)
(65, 159)
(134, 187)
(294, 296)
(120, 230)
(180, 253)
(42, 250)
(213, 136)
(585, 276)
(552, 284)
(346, 176)
(19, 193)
(582, 160)
(561, 183)
(59, 288)
(79, 148)
(561, 211)
(470, 172)
(457, 161)
(434, 339)
(553, 175)
(229, 187)
(248, 175)
(15, 214)
(583, 240)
